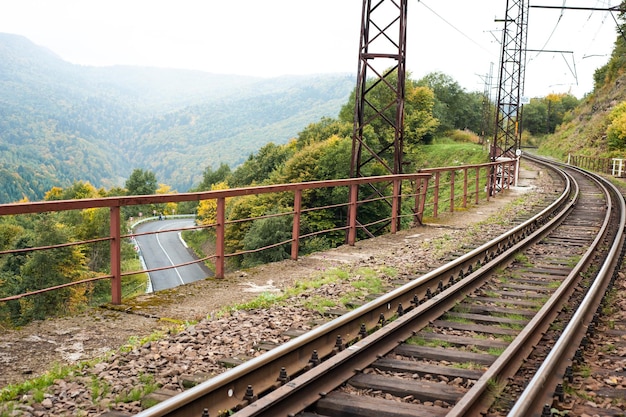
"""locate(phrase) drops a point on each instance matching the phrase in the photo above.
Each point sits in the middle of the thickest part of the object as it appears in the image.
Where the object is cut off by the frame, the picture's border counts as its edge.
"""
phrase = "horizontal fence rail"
(429, 192)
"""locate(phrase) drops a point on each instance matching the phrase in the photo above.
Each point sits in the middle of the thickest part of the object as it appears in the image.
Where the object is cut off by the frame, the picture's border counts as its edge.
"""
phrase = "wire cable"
(455, 28)
(553, 29)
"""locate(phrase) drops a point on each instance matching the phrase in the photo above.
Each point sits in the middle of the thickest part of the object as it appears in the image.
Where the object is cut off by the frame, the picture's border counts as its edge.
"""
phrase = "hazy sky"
(275, 37)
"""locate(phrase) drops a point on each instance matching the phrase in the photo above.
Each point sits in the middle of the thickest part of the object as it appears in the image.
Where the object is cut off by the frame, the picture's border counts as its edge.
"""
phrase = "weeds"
(38, 384)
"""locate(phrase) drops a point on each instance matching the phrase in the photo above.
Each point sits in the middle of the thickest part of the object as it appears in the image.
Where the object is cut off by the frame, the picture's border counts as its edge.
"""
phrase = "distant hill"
(61, 122)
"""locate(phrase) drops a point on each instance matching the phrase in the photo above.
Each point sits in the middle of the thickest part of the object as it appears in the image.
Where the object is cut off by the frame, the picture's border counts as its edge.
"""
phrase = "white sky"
(276, 37)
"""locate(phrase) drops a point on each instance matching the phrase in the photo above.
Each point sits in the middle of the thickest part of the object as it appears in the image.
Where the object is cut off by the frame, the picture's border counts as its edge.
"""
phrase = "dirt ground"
(35, 348)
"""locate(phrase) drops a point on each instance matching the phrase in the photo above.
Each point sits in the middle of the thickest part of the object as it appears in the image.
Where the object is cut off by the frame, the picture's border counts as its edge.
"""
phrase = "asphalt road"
(168, 249)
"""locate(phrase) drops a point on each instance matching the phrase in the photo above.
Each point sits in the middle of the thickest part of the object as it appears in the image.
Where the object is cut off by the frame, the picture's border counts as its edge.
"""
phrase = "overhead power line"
(599, 9)
(454, 27)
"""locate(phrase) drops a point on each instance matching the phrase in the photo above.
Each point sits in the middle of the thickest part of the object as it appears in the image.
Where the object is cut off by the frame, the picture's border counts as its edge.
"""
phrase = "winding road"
(168, 249)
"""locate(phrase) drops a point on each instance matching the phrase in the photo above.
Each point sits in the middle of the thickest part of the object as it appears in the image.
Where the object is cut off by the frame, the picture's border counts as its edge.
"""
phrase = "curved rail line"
(308, 373)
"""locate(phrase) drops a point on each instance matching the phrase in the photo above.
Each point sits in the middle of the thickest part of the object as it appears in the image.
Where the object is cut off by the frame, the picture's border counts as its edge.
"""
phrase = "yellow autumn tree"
(167, 208)
(207, 209)
(616, 131)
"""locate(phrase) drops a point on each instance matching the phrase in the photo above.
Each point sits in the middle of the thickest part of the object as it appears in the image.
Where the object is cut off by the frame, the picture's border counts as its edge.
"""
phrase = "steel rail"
(228, 390)
(540, 390)
(311, 386)
(473, 402)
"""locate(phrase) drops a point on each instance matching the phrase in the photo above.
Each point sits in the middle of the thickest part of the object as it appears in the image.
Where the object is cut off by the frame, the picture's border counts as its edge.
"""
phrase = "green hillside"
(597, 126)
(61, 123)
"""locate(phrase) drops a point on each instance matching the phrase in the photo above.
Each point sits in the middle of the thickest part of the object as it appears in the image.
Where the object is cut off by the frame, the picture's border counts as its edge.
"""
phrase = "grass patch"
(573, 261)
(420, 341)
(554, 284)
(99, 388)
(455, 319)
(147, 385)
(368, 281)
(389, 271)
(38, 384)
(328, 277)
(472, 366)
(263, 300)
(496, 351)
(202, 242)
(461, 308)
(37, 387)
(522, 259)
(319, 304)
(135, 341)
(267, 299)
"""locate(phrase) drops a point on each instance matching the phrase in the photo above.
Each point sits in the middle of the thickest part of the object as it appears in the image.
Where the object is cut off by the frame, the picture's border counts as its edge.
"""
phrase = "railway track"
(494, 331)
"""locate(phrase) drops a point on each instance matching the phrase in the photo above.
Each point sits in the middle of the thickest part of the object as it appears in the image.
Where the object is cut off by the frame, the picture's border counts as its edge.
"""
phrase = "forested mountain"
(61, 123)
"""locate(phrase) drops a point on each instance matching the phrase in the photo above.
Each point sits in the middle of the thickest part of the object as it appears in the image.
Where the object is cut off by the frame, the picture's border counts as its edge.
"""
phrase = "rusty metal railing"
(447, 192)
(421, 195)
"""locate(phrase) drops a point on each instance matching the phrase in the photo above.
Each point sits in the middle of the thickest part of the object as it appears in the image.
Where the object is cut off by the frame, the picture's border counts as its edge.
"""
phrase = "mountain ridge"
(62, 122)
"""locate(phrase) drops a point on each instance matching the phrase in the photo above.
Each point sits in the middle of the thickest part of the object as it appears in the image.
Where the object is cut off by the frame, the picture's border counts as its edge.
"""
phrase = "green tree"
(543, 115)
(535, 117)
(322, 130)
(141, 182)
(44, 269)
(454, 107)
(267, 232)
(381, 99)
(419, 121)
(210, 177)
(258, 167)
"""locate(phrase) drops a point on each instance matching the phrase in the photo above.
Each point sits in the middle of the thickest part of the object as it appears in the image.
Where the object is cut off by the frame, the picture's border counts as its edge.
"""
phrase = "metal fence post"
(452, 175)
(116, 255)
(295, 234)
(395, 205)
(436, 195)
(477, 179)
(354, 192)
(465, 174)
(219, 234)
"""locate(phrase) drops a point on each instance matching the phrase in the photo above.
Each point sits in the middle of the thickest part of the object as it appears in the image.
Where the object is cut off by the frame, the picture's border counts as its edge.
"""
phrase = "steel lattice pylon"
(511, 80)
(379, 99)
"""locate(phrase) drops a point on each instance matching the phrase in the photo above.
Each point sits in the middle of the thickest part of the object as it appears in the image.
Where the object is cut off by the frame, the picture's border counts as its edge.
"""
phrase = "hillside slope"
(61, 123)
(586, 130)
